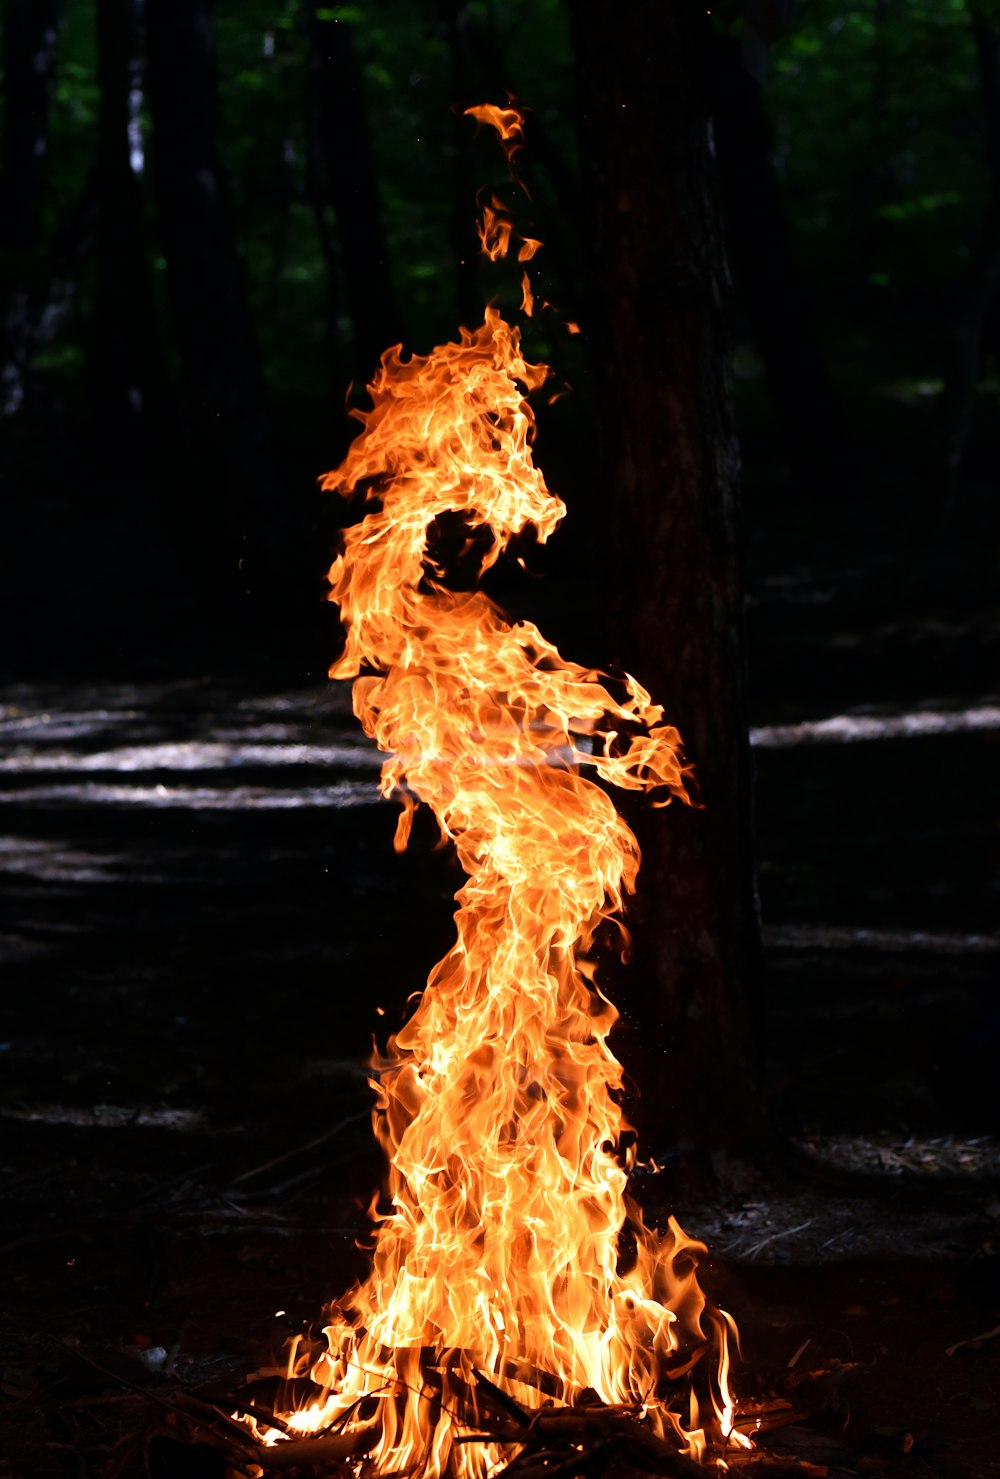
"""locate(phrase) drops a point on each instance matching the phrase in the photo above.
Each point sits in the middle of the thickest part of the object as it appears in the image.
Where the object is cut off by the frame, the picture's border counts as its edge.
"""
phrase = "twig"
(311, 1453)
(500, 1399)
(175, 1349)
(288, 1155)
(973, 1342)
(776, 1463)
(561, 1431)
(72, 1432)
(261, 1414)
(176, 1407)
(774, 1237)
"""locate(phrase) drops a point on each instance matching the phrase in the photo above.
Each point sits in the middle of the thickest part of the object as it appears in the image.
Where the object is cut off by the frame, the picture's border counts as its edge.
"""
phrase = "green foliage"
(75, 105)
(879, 141)
(409, 52)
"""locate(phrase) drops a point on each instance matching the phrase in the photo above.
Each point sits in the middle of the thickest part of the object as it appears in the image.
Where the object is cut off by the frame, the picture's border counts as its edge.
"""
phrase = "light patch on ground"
(943, 1155)
(104, 1116)
(851, 729)
(832, 937)
(339, 796)
(192, 755)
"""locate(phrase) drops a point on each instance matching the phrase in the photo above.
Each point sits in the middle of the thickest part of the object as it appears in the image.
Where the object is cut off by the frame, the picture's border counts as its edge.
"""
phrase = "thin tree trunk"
(30, 34)
(979, 289)
(352, 188)
(126, 377)
(316, 196)
(465, 248)
(248, 528)
(767, 277)
(671, 468)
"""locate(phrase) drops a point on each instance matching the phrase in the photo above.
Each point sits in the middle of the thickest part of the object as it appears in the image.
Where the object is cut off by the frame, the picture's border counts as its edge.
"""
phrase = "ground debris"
(973, 1342)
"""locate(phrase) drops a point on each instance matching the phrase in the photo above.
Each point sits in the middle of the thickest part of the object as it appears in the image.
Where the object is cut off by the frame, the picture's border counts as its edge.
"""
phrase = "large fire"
(497, 1103)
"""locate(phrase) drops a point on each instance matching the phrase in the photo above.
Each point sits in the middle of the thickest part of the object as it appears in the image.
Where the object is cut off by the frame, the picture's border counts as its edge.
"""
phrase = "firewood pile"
(586, 1440)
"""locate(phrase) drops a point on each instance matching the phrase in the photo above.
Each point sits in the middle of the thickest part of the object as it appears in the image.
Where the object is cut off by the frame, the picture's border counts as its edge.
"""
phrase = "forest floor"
(202, 911)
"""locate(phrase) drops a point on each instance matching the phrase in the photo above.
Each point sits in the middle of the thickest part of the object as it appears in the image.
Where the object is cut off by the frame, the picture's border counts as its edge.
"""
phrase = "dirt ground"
(201, 912)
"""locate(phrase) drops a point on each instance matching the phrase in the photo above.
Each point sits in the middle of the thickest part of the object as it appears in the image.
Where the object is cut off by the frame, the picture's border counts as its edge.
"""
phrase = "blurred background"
(215, 217)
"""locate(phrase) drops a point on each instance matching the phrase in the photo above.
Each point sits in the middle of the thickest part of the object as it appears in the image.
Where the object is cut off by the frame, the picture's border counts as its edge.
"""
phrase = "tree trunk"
(250, 554)
(352, 188)
(767, 278)
(30, 33)
(982, 281)
(465, 246)
(672, 468)
(126, 378)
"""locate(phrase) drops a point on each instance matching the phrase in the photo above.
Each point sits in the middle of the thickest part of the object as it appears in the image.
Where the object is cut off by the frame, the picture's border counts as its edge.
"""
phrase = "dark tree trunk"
(249, 536)
(126, 379)
(979, 289)
(767, 278)
(465, 247)
(672, 469)
(30, 31)
(352, 188)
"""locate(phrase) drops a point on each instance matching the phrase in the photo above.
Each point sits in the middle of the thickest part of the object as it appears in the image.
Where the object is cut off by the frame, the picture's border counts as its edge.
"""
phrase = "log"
(315, 1453)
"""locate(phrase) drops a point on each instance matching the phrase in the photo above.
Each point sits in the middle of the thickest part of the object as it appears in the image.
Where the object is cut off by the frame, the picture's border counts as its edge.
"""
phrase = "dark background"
(213, 218)
(216, 217)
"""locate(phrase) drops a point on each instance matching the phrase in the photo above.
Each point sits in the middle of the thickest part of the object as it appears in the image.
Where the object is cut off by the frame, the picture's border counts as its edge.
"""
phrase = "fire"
(497, 1102)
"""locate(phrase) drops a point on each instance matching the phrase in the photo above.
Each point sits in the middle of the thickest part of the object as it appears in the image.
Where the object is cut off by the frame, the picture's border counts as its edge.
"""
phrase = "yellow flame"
(497, 1101)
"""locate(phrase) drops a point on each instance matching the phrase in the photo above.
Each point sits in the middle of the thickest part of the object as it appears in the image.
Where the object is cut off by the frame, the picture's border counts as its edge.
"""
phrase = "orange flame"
(494, 228)
(496, 1102)
(508, 122)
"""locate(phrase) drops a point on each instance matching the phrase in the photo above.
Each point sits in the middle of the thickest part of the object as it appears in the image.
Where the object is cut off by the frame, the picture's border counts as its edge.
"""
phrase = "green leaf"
(920, 205)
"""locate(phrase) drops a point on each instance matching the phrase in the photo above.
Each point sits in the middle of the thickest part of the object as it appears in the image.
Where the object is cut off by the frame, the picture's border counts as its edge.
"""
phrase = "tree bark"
(465, 247)
(978, 290)
(126, 377)
(767, 277)
(671, 468)
(30, 34)
(352, 188)
(251, 552)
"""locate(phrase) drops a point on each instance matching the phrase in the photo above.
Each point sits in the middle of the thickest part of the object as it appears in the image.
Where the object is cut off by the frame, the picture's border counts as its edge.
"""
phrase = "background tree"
(254, 264)
(128, 387)
(30, 33)
(210, 311)
(760, 247)
(348, 170)
(977, 290)
(672, 468)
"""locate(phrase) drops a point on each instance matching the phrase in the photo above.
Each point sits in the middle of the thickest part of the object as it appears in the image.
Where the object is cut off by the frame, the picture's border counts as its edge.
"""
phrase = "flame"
(494, 228)
(497, 1101)
(508, 122)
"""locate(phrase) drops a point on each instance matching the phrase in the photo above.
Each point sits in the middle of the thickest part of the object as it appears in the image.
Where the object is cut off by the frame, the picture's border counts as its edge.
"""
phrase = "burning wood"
(499, 1245)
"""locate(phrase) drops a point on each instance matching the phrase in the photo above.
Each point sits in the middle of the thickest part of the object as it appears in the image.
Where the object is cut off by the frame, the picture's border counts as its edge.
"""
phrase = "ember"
(500, 1315)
